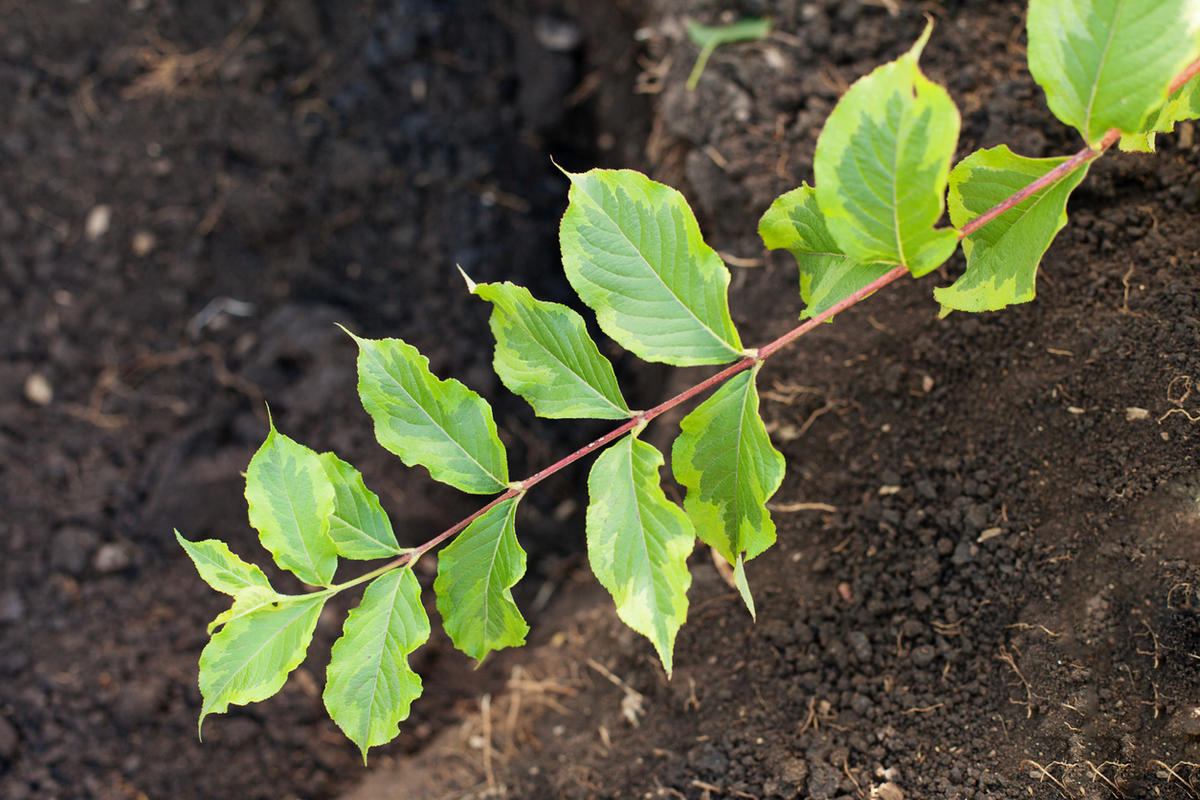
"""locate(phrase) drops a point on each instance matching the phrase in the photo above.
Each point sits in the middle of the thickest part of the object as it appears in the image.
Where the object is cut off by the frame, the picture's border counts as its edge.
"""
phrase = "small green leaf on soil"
(709, 37)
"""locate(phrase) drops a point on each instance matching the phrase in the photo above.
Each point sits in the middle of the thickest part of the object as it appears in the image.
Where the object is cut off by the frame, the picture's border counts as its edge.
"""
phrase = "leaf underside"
(439, 424)
(882, 163)
(1003, 256)
(794, 222)
(638, 543)
(544, 354)
(1108, 63)
(290, 500)
(476, 573)
(370, 686)
(633, 252)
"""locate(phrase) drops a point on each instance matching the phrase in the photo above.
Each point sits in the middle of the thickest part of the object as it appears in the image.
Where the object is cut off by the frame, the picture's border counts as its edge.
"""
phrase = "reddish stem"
(641, 418)
(1058, 173)
(1053, 176)
(1192, 71)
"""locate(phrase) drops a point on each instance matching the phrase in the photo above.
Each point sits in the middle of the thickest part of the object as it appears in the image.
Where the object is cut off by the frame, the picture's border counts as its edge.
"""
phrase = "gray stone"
(860, 644)
(12, 608)
(8, 740)
(923, 656)
(823, 781)
(72, 549)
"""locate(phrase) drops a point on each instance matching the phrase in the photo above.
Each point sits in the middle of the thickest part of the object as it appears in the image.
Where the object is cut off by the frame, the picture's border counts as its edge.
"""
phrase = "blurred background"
(192, 195)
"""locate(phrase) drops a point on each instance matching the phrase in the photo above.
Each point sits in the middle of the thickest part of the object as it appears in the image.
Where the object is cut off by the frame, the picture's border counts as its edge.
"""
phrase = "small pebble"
(99, 220)
(889, 791)
(1134, 413)
(923, 655)
(38, 390)
(143, 243)
(111, 557)
(72, 549)
(556, 34)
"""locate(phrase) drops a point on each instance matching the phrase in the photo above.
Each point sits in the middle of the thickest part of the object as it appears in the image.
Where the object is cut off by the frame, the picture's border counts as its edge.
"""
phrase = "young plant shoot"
(633, 252)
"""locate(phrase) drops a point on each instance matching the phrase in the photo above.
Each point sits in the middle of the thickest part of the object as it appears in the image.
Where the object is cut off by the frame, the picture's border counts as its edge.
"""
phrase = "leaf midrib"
(519, 321)
(435, 423)
(1087, 114)
(305, 606)
(659, 277)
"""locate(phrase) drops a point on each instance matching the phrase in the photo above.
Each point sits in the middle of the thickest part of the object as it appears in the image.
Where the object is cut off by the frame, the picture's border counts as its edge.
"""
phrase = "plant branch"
(1053, 176)
(639, 420)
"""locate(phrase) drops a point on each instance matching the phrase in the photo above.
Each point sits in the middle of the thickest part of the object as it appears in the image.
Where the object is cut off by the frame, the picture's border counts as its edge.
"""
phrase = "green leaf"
(544, 354)
(249, 659)
(358, 526)
(291, 499)
(1183, 104)
(370, 685)
(220, 568)
(882, 162)
(1003, 256)
(474, 583)
(439, 424)
(633, 252)
(1108, 63)
(246, 601)
(709, 37)
(725, 459)
(795, 223)
(638, 543)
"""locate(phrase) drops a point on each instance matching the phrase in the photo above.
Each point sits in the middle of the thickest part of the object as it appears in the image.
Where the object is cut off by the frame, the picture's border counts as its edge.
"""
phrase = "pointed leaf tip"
(882, 164)
(370, 685)
(467, 278)
(743, 587)
(639, 542)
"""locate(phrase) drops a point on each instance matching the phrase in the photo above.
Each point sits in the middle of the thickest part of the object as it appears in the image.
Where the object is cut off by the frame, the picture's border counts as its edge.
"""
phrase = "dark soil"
(192, 195)
(997, 598)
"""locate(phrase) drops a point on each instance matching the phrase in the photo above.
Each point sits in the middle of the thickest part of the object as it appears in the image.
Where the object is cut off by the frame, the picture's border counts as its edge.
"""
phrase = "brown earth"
(996, 596)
